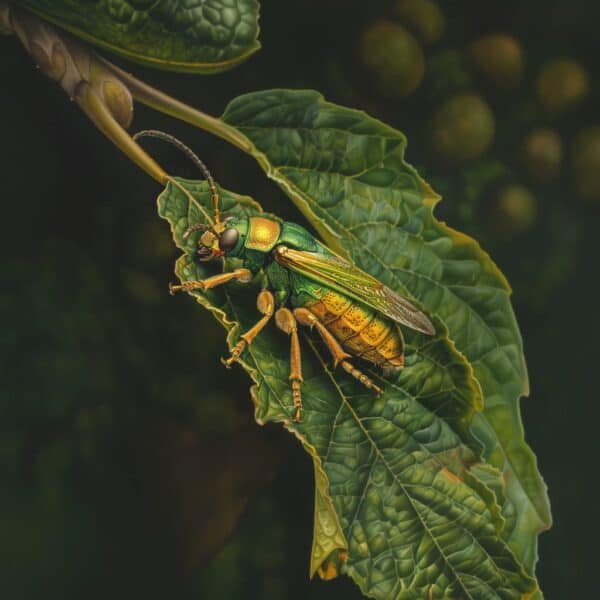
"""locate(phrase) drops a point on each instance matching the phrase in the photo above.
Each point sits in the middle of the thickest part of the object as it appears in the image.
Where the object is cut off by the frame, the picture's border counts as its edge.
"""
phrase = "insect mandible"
(303, 283)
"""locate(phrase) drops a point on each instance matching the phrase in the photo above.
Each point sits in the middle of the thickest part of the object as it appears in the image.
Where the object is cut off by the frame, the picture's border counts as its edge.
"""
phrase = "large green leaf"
(198, 36)
(398, 506)
(346, 172)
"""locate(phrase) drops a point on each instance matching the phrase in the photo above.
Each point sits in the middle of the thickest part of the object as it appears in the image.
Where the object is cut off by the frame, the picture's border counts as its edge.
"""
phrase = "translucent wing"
(348, 279)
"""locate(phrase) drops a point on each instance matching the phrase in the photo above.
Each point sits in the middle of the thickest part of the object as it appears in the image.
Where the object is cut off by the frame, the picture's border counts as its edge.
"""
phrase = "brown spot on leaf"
(328, 570)
(450, 476)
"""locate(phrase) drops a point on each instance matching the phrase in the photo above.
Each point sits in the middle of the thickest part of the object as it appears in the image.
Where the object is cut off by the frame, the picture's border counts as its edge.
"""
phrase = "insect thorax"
(262, 233)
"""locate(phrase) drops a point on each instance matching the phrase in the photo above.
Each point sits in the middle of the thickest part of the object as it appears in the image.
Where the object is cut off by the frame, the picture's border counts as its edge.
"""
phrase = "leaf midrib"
(276, 172)
(378, 455)
(461, 301)
(381, 457)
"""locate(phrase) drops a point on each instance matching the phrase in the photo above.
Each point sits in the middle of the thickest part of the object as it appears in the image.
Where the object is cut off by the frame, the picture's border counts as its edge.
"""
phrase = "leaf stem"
(158, 100)
(99, 114)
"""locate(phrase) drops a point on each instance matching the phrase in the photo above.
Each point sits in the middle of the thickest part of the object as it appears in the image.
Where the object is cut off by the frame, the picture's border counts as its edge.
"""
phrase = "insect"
(303, 283)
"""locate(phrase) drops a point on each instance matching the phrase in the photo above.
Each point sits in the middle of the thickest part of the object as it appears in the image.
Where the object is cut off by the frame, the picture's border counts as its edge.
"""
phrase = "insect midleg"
(243, 275)
(305, 317)
(265, 303)
(286, 321)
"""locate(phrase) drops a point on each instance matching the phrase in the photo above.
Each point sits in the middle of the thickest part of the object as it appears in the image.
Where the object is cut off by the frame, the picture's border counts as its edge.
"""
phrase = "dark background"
(130, 465)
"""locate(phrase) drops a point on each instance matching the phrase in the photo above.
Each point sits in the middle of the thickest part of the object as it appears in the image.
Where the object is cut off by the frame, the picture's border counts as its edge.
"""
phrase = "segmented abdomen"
(361, 330)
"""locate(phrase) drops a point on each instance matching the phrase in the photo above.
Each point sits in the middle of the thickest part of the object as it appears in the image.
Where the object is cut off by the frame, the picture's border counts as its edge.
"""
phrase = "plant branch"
(84, 77)
(104, 91)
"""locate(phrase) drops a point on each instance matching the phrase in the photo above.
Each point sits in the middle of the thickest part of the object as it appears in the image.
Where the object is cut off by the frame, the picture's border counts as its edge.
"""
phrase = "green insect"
(303, 283)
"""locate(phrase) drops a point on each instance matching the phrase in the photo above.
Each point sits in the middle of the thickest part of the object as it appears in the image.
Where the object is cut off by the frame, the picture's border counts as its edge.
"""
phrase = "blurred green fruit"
(423, 17)
(497, 59)
(461, 129)
(393, 59)
(446, 73)
(561, 85)
(585, 162)
(512, 211)
(541, 154)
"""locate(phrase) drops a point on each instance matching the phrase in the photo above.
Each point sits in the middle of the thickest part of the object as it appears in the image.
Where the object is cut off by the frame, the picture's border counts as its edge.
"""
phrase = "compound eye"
(228, 239)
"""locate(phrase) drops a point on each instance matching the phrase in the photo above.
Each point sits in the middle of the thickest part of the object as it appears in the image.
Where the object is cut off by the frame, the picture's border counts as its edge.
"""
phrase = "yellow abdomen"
(361, 330)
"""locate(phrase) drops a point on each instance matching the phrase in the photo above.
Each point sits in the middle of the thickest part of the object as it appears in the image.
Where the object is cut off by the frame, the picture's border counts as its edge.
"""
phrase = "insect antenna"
(194, 227)
(191, 155)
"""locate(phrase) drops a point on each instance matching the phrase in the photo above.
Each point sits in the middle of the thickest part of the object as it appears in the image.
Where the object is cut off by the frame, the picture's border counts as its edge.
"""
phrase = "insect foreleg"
(266, 306)
(286, 322)
(305, 317)
(243, 275)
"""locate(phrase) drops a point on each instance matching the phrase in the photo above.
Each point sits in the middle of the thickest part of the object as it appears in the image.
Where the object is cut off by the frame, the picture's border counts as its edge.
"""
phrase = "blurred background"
(130, 465)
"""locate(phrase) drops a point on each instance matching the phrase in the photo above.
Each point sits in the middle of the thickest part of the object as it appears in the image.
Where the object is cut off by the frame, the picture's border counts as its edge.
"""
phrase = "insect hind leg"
(340, 356)
(285, 320)
(358, 374)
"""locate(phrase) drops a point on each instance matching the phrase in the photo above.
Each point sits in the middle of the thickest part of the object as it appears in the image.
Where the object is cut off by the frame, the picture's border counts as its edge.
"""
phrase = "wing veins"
(348, 279)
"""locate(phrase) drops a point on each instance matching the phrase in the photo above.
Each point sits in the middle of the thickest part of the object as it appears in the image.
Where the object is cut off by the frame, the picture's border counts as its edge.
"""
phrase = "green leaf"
(398, 504)
(346, 172)
(192, 36)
